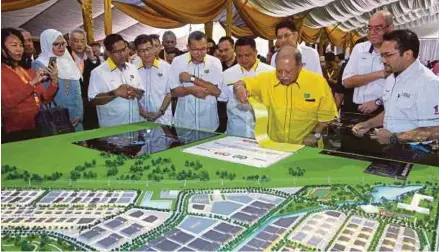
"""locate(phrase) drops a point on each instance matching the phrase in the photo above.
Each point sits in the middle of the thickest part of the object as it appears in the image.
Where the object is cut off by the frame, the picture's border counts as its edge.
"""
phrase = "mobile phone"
(52, 61)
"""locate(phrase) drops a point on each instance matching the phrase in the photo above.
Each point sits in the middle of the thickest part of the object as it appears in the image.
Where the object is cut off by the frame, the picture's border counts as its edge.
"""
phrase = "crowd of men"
(207, 88)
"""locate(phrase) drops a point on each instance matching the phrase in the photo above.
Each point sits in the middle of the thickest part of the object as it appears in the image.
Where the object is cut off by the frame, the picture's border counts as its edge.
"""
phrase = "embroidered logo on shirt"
(206, 71)
(306, 95)
(160, 74)
(406, 95)
(132, 76)
(436, 110)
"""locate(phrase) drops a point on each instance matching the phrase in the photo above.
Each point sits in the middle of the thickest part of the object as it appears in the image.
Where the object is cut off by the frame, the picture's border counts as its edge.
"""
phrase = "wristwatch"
(379, 102)
(317, 135)
(192, 78)
(161, 111)
(112, 93)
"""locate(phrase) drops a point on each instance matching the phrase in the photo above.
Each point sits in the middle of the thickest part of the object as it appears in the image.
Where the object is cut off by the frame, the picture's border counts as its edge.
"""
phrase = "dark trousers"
(222, 115)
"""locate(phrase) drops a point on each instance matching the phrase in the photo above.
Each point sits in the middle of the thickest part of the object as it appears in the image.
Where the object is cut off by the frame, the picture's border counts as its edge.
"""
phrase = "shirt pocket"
(406, 103)
(365, 65)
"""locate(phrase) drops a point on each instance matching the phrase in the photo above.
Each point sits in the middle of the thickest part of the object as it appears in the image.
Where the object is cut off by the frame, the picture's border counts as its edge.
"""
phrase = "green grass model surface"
(323, 183)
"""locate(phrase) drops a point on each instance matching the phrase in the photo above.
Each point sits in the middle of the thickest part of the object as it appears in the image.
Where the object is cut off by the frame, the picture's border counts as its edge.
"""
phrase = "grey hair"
(168, 33)
(388, 17)
(196, 35)
(77, 30)
(297, 56)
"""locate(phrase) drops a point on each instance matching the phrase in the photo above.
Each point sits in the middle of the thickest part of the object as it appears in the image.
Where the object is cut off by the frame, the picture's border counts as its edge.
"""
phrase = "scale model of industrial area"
(150, 191)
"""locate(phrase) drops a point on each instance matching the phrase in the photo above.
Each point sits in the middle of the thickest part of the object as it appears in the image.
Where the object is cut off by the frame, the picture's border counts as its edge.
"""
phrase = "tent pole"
(208, 29)
(108, 26)
(87, 19)
(229, 18)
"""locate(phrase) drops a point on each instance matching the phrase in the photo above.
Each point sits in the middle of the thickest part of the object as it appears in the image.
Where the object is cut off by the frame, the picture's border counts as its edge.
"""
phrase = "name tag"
(310, 100)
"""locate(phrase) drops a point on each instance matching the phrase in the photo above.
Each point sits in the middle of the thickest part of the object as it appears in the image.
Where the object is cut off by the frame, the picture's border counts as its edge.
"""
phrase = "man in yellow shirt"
(299, 102)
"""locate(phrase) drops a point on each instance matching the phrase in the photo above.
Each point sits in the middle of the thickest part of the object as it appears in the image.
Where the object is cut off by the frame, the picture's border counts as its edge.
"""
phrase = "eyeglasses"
(285, 36)
(120, 51)
(59, 44)
(378, 28)
(387, 55)
(199, 50)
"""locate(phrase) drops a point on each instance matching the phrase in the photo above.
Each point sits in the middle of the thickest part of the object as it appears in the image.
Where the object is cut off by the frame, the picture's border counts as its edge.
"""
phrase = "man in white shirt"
(411, 94)
(196, 79)
(241, 120)
(287, 34)
(115, 86)
(365, 71)
(154, 75)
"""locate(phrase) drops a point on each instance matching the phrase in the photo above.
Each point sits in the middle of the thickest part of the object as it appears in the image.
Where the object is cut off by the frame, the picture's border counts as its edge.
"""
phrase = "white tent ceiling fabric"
(348, 15)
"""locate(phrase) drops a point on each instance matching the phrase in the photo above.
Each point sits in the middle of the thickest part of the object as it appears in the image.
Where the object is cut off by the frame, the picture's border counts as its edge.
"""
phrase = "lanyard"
(26, 79)
(330, 74)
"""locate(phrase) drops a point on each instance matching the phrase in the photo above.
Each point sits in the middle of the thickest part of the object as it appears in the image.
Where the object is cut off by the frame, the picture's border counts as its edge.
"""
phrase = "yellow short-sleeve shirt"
(296, 109)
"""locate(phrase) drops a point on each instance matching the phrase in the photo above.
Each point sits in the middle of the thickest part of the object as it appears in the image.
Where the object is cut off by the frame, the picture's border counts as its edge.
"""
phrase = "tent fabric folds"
(335, 21)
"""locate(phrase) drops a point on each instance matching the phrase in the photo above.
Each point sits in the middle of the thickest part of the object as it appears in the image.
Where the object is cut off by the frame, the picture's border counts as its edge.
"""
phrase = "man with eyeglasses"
(196, 79)
(154, 105)
(411, 95)
(115, 87)
(365, 70)
(287, 34)
(299, 102)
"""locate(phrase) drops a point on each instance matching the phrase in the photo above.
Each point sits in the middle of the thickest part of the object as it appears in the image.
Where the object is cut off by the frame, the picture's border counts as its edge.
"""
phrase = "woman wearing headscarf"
(22, 91)
(68, 96)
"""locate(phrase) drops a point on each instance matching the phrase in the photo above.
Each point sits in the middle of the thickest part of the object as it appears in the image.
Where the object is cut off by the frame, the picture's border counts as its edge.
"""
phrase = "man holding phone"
(115, 86)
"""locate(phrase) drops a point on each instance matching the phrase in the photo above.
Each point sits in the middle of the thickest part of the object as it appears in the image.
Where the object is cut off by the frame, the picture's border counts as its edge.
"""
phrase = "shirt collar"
(253, 68)
(112, 65)
(371, 49)
(189, 58)
(409, 70)
(154, 64)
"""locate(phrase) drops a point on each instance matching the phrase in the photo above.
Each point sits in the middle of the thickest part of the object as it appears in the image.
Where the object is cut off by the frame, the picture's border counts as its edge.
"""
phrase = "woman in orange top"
(22, 91)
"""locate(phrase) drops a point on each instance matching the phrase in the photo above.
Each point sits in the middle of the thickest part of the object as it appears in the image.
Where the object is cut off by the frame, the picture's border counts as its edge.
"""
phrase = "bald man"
(365, 70)
(299, 102)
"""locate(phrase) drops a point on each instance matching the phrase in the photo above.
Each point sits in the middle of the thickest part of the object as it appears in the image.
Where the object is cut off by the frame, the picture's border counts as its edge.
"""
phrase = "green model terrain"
(58, 154)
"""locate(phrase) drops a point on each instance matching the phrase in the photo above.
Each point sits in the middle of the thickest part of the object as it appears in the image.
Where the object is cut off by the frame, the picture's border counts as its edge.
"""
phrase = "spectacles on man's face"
(378, 28)
(388, 55)
(145, 50)
(120, 51)
(59, 44)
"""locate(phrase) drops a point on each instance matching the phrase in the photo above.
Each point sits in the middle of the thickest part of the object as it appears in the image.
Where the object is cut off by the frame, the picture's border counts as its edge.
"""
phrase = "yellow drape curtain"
(336, 36)
(148, 16)
(262, 25)
(239, 32)
(188, 12)
(87, 17)
(310, 35)
(12, 5)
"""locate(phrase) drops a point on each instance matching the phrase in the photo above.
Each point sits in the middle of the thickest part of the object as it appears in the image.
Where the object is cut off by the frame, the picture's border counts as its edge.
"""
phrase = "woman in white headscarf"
(68, 96)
